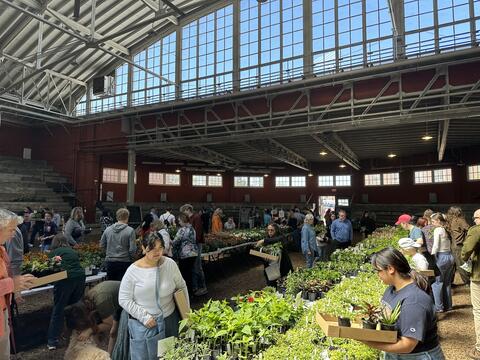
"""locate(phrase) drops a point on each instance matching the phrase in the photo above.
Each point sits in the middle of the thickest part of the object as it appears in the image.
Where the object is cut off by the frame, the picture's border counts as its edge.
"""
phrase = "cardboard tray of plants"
(49, 278)
(263, 255)
(330, 327)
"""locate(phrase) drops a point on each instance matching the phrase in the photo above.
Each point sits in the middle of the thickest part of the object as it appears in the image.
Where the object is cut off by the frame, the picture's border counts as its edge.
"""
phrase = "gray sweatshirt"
(14, 249)
(74, 231)
(119, 242)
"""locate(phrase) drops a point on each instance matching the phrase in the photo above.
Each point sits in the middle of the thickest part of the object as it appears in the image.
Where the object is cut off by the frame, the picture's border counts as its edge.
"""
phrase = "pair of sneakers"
(200, 292)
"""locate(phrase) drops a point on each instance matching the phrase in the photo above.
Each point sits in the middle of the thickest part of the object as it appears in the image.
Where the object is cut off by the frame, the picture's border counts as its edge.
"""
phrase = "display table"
(92, 279)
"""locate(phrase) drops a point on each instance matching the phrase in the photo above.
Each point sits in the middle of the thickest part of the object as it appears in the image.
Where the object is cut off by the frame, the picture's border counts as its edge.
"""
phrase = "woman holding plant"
(275, 237)
(408, 300)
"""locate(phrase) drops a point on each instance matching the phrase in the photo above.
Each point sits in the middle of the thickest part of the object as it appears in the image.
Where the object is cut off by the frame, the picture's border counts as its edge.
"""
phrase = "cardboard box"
(263, 255)
(49, 278)
(329, 325)
(182, 303)
(427, 273)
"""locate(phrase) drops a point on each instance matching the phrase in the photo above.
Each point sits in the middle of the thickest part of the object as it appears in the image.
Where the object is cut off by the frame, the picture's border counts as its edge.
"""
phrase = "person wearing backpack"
(168, 218)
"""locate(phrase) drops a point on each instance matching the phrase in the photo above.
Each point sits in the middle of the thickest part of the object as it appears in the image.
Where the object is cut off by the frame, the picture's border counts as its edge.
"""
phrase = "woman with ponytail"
(416, 325)
(441, 249)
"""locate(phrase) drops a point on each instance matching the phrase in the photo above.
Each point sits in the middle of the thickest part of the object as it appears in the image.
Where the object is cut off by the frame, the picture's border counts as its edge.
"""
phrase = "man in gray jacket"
(119, 242)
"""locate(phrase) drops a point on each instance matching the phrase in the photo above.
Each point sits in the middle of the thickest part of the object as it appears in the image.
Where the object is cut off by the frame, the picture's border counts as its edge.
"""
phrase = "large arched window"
(271, 41)
(207, 54)
(159, 58)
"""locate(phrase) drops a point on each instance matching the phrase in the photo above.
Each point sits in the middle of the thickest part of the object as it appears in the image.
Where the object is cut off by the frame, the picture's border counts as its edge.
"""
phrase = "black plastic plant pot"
(369, 324)
(304, 295)
(312, 296)
(343, 321)
(319, 295)
(388, 327)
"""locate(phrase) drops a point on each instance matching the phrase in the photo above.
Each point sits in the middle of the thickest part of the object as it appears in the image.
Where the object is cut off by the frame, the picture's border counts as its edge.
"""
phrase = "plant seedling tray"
(49, 278)
(263, 255)
(428, 273)
(329, 325)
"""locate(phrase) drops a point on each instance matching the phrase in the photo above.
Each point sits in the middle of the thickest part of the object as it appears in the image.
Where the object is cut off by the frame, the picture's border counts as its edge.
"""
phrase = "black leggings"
(186, 266)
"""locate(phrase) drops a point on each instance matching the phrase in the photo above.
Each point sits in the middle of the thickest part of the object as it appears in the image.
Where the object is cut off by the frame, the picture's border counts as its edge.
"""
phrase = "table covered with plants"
(274, 325)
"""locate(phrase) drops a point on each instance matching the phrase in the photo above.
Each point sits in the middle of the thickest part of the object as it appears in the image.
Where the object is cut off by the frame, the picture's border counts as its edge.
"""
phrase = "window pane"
(423, 177)
(155, 178)
(256, 181)
(373, 180)
(282, 181)
(298, 181)
(442, 175)
(391, 179)
(199, 180)
(343, 202)
(474, 172)
(215, 181)
(240, 181)
(343, 180)
(325, 181)
(172, 179)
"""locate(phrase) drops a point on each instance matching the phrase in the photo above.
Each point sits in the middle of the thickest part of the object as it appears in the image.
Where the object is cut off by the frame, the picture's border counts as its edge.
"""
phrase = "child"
(409, 247)
(78, 320)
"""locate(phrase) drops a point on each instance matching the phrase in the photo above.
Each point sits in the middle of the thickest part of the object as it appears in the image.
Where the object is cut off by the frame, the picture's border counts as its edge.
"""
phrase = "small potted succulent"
(388, 318)
(371, 313)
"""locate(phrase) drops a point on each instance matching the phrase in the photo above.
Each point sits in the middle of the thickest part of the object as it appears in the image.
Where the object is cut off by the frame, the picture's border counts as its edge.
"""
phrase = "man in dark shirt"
(199, 285)
(47, 232)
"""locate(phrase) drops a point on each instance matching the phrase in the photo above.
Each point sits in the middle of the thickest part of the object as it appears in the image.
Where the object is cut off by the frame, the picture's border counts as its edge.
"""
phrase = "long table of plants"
(270, 325)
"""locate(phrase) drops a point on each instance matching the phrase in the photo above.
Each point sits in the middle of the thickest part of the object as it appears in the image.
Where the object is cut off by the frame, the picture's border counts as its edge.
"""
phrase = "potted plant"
(344, 315)
(388, 318)
(371, 313)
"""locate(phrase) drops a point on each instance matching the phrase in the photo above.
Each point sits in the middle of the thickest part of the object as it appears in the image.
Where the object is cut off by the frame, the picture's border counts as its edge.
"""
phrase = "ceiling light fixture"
(342, 166)
(392, 155)
(323, 153)
(310, 174)
(177, 170)
(427, 137)
(265, 175)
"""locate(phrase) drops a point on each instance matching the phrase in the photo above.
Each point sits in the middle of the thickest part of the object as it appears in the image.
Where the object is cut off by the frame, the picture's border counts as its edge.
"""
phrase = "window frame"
(249, 182)
(121, 174)
(164, 178)
(477, 172)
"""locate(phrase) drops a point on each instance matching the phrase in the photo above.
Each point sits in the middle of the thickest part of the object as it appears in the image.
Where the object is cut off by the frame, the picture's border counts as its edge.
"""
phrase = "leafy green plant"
(370, 311)
(390, 317)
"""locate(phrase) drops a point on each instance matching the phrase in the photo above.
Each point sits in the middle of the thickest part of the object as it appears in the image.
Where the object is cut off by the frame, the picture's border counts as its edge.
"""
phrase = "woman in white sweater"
(441, 249)
(146, 294)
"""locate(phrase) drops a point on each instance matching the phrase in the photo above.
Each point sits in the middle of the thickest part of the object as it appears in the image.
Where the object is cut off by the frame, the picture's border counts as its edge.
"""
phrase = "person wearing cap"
(470, 249)
(414, 232)
(410, 247)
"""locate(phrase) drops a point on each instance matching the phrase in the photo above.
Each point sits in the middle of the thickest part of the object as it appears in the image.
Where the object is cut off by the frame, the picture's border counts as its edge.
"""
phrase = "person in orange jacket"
(217, 224)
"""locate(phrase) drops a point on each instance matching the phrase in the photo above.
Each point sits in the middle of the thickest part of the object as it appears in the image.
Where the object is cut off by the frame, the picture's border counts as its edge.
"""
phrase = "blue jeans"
(309, 259)
(198, 277)
(434, 354)
(442, 288)
(143, 340)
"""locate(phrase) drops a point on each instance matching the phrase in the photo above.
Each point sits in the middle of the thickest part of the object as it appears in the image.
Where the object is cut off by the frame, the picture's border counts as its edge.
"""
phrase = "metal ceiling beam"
(338, 147)
(152, 5)
(443, 128)
(280, 152)
(201, 153)
(33, 67)
(172, 6)
(75, 26)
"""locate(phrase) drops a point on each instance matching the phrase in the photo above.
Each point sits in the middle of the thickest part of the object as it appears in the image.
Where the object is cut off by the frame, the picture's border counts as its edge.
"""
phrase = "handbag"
(273, 270)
